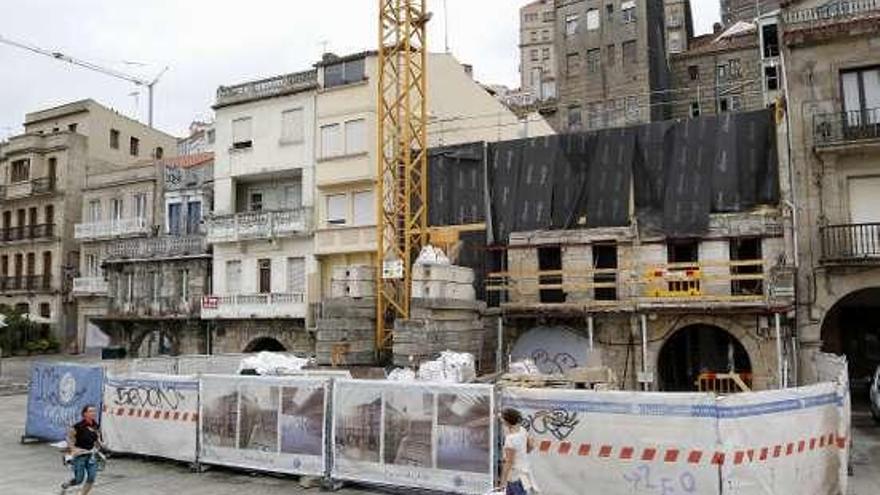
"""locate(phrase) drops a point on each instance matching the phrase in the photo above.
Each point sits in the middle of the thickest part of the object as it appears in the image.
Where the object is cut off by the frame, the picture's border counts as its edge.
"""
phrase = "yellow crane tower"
(402, 188)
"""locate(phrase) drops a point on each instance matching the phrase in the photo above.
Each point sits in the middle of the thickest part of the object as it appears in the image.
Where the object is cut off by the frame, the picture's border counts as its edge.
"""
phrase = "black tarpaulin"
(653, 146)
(456, 185)
(688, 178)
(610, 176)
(570, 181)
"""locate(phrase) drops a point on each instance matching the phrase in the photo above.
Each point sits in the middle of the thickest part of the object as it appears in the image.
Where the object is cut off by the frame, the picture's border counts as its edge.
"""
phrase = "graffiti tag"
(640, 480)
(557, 363)
(558, 422)
(155, 397)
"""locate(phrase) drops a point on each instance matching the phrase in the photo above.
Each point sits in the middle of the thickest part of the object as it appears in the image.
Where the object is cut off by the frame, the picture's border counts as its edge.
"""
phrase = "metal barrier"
(724, 383)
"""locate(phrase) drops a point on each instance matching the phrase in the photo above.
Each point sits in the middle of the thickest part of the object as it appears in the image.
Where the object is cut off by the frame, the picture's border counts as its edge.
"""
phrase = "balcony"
(831, 13)
(90, 286)
(156, 248)
(112, 228)
(174, 307)
(26, 283)
(851, 243)
(259, 225)
(345, 239)
(244, 306)
(28, 232)
(265, 88)
(831, 129)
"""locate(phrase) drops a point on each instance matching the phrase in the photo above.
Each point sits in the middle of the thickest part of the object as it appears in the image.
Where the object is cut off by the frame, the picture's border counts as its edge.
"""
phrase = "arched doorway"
(696, 349)
(156, 343)
(852, 327)
(265, 344)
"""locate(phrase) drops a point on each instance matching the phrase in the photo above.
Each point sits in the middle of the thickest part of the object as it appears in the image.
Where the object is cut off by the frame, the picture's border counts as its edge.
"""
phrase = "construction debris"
(346, 334)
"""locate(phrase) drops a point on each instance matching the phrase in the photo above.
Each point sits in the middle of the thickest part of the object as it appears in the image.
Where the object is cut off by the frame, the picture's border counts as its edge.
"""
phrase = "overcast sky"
(206, 43)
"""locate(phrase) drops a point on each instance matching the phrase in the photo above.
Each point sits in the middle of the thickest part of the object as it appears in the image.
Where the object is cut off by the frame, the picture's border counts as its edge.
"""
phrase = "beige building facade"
(537, 57)
(43, 176)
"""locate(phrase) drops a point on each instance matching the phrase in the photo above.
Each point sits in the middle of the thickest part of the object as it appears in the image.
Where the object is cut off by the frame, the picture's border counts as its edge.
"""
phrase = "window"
(595, 116)
(342, 73)
(129, 287)
(233, 276)
(770, 40)
(550, 260)
(72, 127)
(140, 205)
(331, 141)
(94, 211)
(571, 23)
(255, 201)
(592, 19)
(533, 54)
(534, 36)
(574, 117)
(723, 105)
(545, 35)
(296, 275)
(721, 72)
(116, 209)
(632, 108)
(19, 265)
(156, 289)
(47, 264)
(93, 266)
(264, 281)
(604, 261)
(293, 196)
(21, 171)
(242, 133)
(674, 42)
(364, 208)
(734, 69)
(611, 55)
(32, 216)
(4, 265)
(861, 95)
(629, 52)
(747, 251)
(114, 139)
(771, 78)
(355, 136)
(548, 16)
(695, 109)
(735, 103)
(530, 17)
(183, 276)
(337, 206)
(609, 11)
(628, 11)
(45, 310)
(174, 218)
(31, 264)
(134, 146)
(292, 126)
(694, 72)
(572, 64)
(193, 217)
(160, 153)
(49, 214)
(593, 60)
(545, 54)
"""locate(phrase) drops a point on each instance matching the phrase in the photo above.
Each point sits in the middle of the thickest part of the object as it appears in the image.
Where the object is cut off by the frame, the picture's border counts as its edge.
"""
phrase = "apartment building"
(719, 73)
(261, 226)
(43, 175)
(460, 109)
(537, 57)
(833, 74)
(611, 63)
(679, 25)
(733, 11)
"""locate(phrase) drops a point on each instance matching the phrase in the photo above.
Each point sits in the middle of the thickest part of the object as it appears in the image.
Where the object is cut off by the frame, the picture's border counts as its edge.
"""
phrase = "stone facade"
(835, 149)
(733, 11)
(611, 62)
(537, 57)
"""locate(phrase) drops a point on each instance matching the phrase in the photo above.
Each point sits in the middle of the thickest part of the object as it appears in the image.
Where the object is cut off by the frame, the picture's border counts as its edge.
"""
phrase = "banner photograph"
(57, 395)
(154, 415)
(431, 436)
(264, 423)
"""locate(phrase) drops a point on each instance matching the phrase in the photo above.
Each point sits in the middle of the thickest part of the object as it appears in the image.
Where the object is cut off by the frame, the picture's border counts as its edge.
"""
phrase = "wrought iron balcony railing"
(844, 127)
(831, 12)
(857, 243)
(156, 247)
(259, 225)
(28, 283)
(26, 232)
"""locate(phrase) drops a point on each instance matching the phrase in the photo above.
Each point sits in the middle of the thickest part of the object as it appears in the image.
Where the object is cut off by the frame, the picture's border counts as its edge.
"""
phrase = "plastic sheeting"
(271, 424)
(787, 442)
(456, 178)
(431, 436)
(57, 395)
(155, 415)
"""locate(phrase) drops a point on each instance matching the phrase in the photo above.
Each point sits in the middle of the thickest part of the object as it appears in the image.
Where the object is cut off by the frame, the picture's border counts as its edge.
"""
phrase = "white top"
(518, 441)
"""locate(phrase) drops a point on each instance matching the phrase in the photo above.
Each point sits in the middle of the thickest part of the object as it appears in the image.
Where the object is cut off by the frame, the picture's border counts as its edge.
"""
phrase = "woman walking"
(83, 442)
(515, 474)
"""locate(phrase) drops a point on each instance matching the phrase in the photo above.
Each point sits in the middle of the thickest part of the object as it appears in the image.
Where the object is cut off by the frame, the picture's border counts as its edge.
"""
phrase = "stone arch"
(264, 343)
(720, 351)
(160, 341)
(850, 327)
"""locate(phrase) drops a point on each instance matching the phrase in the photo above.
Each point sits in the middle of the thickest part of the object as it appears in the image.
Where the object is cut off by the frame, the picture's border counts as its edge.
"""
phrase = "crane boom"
(90, 66)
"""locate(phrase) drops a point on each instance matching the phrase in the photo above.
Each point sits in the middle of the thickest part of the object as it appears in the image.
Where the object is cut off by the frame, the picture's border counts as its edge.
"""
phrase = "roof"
(738, 36)
(332, 58)
(188, 161)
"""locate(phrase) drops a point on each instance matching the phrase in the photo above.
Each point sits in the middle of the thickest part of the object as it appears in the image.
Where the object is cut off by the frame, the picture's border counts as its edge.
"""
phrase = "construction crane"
(402, 227)
(149, 84)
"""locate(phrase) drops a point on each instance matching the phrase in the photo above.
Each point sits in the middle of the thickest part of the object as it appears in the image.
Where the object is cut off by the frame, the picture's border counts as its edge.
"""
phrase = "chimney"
(469, 70)
(328, 57)
(716, 28)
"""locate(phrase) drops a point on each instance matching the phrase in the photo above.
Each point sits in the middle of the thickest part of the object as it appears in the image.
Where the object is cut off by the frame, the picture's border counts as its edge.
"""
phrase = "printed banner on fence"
(274, 424)
(57, 394)
(154, 415)
(215, 364)
(619, 442)
(432, 436)
(785, 442)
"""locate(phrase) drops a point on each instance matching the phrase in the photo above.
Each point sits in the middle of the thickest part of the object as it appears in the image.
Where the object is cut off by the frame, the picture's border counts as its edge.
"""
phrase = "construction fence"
(445, 437)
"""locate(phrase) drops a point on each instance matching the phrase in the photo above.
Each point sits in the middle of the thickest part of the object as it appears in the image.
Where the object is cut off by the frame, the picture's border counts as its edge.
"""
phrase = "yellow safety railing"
(724, 383)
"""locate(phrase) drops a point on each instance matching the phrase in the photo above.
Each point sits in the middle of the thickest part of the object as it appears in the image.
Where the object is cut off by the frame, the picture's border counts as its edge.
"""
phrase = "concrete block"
(440, 289)
(447, 304)
(448, 273)
(352, 288)
(344, 323)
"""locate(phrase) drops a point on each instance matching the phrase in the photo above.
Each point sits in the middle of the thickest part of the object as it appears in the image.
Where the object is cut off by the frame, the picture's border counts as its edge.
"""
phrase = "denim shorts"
(85, 467)
(515, 488)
